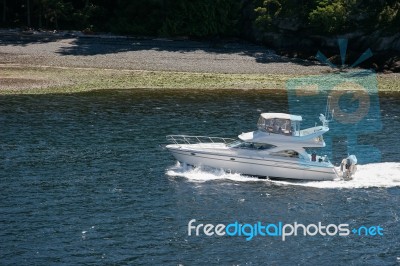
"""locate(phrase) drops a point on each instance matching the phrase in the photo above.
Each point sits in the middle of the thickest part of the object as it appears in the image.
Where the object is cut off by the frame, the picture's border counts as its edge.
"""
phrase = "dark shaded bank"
(385, 49)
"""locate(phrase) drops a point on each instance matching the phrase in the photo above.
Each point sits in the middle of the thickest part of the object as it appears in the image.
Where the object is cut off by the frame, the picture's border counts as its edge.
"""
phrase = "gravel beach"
(147, 54)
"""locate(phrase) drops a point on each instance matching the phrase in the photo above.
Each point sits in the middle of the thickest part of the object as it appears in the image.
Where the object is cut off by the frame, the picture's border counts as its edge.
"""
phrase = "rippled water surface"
(84, 180)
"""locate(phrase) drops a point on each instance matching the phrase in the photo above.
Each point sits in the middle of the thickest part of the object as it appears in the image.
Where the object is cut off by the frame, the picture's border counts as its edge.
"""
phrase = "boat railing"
(311, 130)
(185, 139)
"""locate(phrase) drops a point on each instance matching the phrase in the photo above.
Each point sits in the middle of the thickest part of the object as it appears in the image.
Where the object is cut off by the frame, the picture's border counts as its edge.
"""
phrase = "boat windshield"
(279, 126)
(250, 145)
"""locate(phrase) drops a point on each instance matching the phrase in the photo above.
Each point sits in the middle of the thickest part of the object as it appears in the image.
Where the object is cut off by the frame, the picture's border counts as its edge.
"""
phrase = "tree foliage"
(199, 18)
(267, 13)
(203, 18)
(329, 16)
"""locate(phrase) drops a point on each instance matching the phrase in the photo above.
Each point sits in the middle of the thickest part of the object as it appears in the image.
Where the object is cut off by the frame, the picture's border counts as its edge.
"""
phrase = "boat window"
(235, 143)
(286, 153)
(278, 126)
(251, 145)
(263, 146)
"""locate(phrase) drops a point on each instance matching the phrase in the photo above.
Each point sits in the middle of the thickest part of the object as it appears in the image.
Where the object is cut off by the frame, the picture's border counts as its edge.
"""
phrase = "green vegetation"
(41, 80)
(329, 16)
(203, 18)
(37, 80)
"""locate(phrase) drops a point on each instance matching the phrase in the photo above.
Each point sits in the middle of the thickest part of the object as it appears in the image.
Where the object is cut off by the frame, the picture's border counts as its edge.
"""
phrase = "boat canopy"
(281, 116)
(280, 123)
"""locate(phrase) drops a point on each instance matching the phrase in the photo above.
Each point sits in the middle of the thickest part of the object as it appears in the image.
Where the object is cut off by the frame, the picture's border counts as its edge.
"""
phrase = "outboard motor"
(348, 167)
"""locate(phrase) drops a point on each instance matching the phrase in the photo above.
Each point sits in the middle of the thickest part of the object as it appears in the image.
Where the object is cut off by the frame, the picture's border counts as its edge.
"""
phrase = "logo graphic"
(354, 101)
(280, 230)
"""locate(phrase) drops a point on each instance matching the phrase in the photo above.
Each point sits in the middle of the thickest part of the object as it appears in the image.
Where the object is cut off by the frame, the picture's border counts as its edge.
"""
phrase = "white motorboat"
(275, 150)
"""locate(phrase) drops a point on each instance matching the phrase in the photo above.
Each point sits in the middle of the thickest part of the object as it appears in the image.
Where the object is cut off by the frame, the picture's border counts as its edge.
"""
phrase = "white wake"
(369, 175)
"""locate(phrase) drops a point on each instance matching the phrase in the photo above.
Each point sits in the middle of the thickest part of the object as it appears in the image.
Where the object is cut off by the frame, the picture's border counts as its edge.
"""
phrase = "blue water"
(83, 180)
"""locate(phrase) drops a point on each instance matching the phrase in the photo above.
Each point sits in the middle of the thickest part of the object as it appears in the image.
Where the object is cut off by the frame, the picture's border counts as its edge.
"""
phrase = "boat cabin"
(280, 123)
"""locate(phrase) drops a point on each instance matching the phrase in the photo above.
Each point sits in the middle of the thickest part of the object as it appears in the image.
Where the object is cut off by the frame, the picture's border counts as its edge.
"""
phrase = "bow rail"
(185, 139)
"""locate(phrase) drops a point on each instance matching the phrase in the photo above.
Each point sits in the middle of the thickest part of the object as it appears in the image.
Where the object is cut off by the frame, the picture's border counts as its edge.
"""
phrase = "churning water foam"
(370, 175)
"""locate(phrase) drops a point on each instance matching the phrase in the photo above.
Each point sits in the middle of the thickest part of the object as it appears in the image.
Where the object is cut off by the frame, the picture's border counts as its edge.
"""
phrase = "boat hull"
(248, 165)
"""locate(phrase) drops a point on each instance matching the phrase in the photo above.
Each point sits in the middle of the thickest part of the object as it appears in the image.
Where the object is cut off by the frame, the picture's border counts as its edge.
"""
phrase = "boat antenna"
(328, 117)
